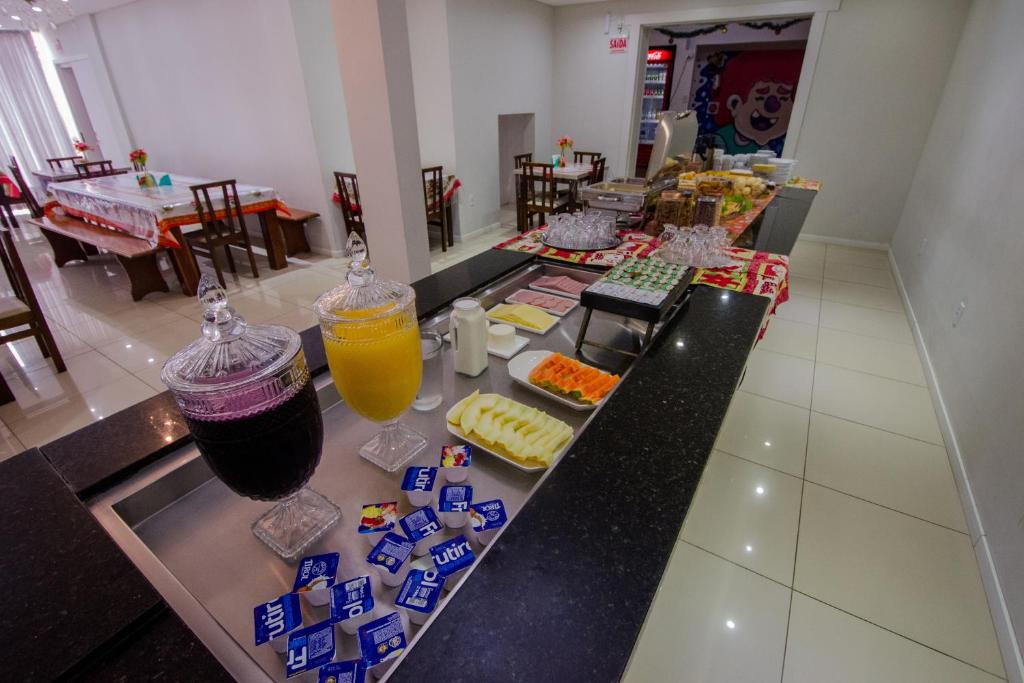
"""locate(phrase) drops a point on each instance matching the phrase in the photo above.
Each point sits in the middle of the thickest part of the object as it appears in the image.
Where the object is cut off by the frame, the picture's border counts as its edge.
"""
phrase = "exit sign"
(618, 43)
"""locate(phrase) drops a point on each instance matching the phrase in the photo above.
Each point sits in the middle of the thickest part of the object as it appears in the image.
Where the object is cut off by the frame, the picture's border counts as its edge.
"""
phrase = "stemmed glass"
(372, 342)
(246, 395)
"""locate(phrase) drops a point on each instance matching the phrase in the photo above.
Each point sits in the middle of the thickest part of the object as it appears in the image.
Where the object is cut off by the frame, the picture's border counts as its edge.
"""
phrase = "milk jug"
(468, 327)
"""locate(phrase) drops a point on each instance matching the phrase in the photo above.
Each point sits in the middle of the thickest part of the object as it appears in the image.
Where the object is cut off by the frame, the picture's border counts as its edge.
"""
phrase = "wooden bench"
(73, 239)
(293, 226)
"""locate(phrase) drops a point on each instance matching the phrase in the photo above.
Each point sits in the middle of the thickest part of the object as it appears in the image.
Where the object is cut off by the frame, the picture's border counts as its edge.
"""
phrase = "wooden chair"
(27, 197)
(57, 163)
(585, 157)
(520, 159)
(22, 308)
(540, 192)
(95, 169)
(226, 230)
(597, 171)
(351, 207)
(433, 202)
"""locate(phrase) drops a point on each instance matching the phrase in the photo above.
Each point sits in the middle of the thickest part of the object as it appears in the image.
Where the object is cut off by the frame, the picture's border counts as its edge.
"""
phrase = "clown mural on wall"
(745, 97)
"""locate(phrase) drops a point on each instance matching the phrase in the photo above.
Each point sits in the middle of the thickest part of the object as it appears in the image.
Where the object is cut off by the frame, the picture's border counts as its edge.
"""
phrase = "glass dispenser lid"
(362, 296)
(230, 353)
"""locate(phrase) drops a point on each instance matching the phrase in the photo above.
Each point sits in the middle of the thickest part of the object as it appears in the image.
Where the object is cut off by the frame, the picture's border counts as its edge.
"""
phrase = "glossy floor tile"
(871, 322)
(784, 378)
(747, 514)
(765, 431)
(790, 337)
(9, 443)
(801, 309)
(869, 258)
(805, 286)
(876, 401)
(711, 621)
(826, 644)
(895, 471)
(851, 272)
(874, 356)
(915, 578)
(856, 294)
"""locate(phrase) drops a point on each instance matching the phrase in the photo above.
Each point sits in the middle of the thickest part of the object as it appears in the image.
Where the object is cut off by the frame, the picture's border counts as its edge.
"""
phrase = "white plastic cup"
(455, 475)
(391, 580)
(352, 624)
(420, 499)
(454, 520)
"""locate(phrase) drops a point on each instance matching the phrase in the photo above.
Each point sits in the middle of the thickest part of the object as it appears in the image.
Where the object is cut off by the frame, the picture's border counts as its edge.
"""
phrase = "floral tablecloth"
(736, 225)
(804, 183)
(755, 272)
(150, 213)
(634, 243)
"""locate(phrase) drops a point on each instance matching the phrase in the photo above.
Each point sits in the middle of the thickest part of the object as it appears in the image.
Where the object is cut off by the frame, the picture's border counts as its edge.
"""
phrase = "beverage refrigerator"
(655, 97)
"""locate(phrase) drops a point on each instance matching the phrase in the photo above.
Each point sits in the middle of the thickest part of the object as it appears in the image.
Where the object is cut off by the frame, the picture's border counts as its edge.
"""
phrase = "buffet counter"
(562, 592)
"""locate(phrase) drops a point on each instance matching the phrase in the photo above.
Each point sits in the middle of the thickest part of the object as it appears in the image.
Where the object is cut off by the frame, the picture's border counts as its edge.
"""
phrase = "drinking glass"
(429, 396)
(246, 395)
(372, 342)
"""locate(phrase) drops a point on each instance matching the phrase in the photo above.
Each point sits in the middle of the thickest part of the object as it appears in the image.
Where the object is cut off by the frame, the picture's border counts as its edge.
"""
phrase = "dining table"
(157, 214)
(571, 174)
(46, 176)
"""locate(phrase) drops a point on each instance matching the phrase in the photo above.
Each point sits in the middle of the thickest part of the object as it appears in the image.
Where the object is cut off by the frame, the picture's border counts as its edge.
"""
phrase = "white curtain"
(30, 125)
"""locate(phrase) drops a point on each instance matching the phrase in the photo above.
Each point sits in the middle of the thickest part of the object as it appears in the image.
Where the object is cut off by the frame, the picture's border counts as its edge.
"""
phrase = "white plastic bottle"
(468, 326)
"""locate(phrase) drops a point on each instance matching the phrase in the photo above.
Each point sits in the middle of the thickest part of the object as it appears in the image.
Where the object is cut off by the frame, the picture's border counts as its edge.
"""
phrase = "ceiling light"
(36, 8)
(15, 17)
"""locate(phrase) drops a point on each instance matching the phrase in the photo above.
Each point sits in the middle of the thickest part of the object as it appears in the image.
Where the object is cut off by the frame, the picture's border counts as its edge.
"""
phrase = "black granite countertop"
(577, 548)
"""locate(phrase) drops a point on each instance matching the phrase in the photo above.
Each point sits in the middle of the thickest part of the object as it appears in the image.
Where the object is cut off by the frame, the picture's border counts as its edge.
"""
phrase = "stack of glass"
(582, 231)
(701, 246)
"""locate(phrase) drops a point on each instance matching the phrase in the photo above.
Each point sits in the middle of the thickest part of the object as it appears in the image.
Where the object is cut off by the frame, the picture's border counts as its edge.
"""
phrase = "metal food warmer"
(674, 137)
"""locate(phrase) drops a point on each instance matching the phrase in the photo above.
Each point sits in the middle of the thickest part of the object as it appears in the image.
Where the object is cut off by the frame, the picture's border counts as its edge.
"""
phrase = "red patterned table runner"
(757, 272)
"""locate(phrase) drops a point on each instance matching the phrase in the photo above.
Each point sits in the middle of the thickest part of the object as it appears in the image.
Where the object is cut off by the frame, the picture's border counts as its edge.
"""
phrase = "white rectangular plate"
(567, 295)
(524, 328)
(574, 302)
(519, 369)
(474, 441)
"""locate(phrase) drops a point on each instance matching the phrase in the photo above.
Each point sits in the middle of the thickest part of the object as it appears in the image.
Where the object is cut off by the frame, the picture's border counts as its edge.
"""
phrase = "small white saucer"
(521, 343)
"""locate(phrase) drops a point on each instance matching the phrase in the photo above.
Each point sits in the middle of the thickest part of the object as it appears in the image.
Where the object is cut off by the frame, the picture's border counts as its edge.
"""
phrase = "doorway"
(76, 103)
(515, 136)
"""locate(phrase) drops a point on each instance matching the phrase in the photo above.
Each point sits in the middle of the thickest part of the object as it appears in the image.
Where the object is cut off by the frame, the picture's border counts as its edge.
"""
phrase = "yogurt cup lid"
(488, 514)
(391, 552)
(381, 639)
(316, 572)
(419, 479)
(459, 455)
(421, 590)
(455, 498)
(420, 524)
(452, 556)
(351, 598)
(310, 648)
(377, 517)
(349, 671)
(277, 617)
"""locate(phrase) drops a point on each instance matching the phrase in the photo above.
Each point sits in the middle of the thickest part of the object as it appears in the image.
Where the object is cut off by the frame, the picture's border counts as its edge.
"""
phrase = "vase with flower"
(565, 145)
(82, 148)
(138, 158)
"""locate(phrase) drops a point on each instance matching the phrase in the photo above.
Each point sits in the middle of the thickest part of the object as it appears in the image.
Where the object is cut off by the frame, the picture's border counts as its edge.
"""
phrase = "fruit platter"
(529, 439)
(562, 379)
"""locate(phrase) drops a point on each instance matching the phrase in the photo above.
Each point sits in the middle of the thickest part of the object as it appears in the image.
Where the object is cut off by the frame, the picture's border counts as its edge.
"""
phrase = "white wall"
(432, 81)
(216, 90)
(960, 239)
(879, 74)
(501, 57)
(314, 34)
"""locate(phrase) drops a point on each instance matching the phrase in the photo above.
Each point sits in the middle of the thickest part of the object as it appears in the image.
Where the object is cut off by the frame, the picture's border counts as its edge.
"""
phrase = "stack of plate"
(783, 170)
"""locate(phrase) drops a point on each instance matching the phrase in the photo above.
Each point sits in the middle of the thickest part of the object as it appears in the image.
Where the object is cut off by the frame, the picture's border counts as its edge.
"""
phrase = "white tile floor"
(114, 347)
(826, 541)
